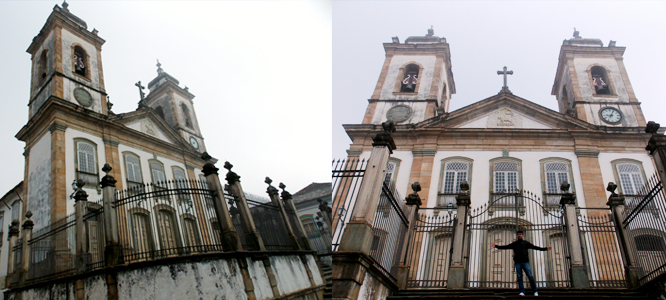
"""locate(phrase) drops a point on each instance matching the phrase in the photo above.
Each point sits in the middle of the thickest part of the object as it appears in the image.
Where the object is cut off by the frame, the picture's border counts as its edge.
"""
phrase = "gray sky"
(261, 73)
(484, 36)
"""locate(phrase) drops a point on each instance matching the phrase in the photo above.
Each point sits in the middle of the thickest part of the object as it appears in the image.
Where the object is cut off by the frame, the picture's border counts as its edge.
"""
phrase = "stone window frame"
(400, 78)
(186, 115)
(395, 170)
(76, 161)
(130, 183)
(442, 173)
(86, 62)
(519, 180)
(606, 76)
(149, 239)
(181, 183)
(152, 175)
(309, 219)
(544, 185)
(161, 207)
(16, 213)
(616, 174)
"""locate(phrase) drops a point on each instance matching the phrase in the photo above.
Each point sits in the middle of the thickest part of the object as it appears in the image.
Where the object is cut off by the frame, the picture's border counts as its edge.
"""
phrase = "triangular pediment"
(147, 126)
(505, 118)
(146, 121)
(507, 111)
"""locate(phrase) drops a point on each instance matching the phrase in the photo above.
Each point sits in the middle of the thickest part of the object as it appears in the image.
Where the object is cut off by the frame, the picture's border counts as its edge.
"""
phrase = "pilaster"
(422, 170)
(58, 192)
(592, 181)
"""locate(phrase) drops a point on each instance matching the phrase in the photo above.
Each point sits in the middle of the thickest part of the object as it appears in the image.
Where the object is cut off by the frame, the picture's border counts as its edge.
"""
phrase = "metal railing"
(601, 250)
(644, 224)
(347, 179)
(166, 219)
(388, 229)
(52, 250)
(429, 252)
(270, 225)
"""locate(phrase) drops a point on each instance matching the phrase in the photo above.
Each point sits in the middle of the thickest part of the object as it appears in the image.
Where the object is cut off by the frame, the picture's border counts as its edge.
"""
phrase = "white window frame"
(447, 188)
(548, 189)
(91, 169)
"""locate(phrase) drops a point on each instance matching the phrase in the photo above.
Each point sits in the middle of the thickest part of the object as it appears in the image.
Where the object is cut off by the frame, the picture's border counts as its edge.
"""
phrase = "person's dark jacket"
(520, 250)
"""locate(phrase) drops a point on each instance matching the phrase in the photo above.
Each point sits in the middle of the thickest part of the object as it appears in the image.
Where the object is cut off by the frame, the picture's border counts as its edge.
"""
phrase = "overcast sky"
(260, 71)
(484, 36)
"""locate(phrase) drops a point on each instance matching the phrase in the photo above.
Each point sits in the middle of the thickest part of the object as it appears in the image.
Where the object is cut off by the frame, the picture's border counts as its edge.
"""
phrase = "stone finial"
(65, 5)
(268, 180)
(231, 177)
(107, 180)
(95, 31)
(205, 156)
(388, 126)
(416, 187)
(611, 43)
(285, 195)
(209, 167)
(186, 89)
(28, 215)
(505, 152)
(576, 34)
(413, 198)
(464, 187)
(611, 187)
(79, 184)
(159, 67)
(564, 187)
(271, 189)
(652, 127)
(431, 31)
(28, 224)
(395, 40)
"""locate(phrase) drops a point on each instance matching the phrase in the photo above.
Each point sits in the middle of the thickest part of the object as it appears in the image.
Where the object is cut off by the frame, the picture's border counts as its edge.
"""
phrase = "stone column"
(236, 191)
(11, 237)
(25, 251)
(112, 250)
(81, 201)
(358, 233)
(273, 194)
(617, 206)
(299, 231)
(456, 278)
(413, 204)
(578, 272)
(228, 235)
(657, 148)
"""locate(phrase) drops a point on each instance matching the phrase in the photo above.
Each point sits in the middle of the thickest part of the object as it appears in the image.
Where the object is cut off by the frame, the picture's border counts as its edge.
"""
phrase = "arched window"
(157, 172)
(648, 242)
(86, 162)
(506, 181)
(630, 178)
(133, 170)
(80, 58)
(391, 171)
(554, 172)
(186, 114)
(454, 171)
(168, 229)
(191, 231)
(181, 183)
(41, 67)
(600, 81)
(160, 112)
(410, 78)
(141, 232)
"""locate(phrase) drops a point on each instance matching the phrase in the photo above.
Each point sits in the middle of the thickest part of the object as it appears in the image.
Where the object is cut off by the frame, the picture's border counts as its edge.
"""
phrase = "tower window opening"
(41, 67)
(160, 112)
(80, 61)
(186, 114)
(410, 79)
(600, 81)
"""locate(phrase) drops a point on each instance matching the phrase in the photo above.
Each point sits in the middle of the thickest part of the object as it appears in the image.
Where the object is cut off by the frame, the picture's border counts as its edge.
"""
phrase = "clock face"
(83, 97)
(611, 115)
(399, 113)
(194, 143)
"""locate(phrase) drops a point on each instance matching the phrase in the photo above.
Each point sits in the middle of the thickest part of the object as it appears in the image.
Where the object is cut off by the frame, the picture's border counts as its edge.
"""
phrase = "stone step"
(586, 294)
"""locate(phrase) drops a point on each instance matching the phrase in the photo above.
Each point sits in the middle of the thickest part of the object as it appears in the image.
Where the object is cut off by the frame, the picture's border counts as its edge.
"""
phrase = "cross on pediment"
(504, 72)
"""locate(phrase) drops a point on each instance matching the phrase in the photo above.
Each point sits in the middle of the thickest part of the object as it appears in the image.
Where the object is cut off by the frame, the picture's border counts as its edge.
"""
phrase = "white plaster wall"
(68, 92)
(39, 182)
(290, 274)
(262, 286)
(39, 100)
(70, 163)
(314, 268)
(418, 111)
(608, 174)
(141, 125)
(68, 39)
(46, 45)
(592, 112)
(425, 78)
(200, 280)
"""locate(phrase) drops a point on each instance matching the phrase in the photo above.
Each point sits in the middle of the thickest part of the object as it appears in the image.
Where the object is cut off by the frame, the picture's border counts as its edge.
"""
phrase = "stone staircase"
(327, 273)
(587, 294)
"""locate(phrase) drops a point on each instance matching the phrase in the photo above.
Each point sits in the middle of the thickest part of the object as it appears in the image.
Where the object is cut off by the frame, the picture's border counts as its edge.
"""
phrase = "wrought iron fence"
(644, 223)
(346, 182)
(388, 229)
(52, 250)
(497, 223)
(239, 225)
(270, 225)
(93, 220)
(18, 259)
(601, 249)
(165, 219)
(429, 252)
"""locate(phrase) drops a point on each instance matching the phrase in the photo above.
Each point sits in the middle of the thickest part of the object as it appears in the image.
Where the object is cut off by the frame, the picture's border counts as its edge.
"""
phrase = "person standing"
(522, 260)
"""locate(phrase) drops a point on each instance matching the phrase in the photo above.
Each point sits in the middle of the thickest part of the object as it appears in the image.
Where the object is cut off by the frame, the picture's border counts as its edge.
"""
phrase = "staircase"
(327, 274)
(587, 294)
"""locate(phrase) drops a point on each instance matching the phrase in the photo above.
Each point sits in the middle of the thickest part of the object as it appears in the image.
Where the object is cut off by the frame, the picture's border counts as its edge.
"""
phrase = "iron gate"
(497, 222)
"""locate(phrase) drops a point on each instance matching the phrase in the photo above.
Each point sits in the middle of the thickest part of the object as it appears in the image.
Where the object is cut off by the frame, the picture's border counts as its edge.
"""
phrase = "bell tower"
(174, 104)
(67, 63)
(416, 81)
(592, 84)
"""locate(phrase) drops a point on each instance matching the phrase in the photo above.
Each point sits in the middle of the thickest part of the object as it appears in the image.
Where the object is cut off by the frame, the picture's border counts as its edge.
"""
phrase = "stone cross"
(505, 72)
(138, 84)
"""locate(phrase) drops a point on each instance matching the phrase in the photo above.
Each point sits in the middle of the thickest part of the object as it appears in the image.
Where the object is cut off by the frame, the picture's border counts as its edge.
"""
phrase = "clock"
(83, 97)
(399, 113)
(610, 115)
(194, 143)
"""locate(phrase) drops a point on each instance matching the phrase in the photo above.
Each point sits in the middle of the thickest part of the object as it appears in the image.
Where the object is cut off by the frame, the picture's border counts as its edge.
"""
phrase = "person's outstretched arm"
(538, 248)
(509, 246)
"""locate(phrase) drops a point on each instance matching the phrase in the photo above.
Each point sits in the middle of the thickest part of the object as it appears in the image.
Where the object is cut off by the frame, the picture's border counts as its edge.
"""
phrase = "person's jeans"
(519, 271)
